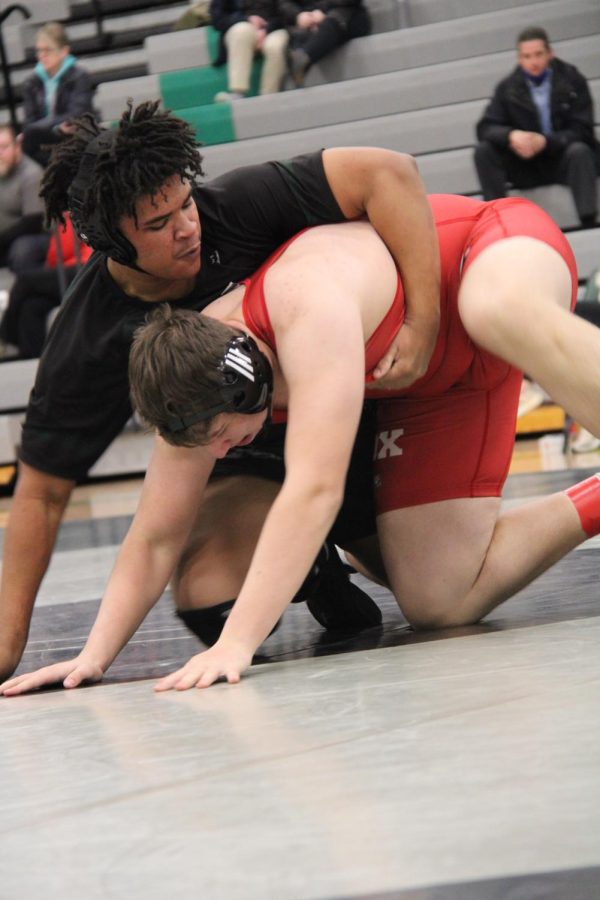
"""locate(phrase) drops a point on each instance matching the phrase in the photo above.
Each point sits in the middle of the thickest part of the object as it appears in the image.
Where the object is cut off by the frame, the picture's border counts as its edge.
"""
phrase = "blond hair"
(56, 33)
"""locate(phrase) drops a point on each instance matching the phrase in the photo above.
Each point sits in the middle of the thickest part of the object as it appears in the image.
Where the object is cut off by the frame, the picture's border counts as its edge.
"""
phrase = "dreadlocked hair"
(151, 146)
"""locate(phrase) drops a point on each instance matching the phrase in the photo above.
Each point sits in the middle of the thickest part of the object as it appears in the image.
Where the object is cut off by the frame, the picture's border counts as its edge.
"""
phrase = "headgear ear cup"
(90, 228)
(246, 385)
(252, 392)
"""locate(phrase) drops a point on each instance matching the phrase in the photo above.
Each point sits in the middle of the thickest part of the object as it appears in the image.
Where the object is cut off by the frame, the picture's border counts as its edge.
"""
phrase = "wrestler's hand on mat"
(71, 673)
(408, 356)
(223, 660)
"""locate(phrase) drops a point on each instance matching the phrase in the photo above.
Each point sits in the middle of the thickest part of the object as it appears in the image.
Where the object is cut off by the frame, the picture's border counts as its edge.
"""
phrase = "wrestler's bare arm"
(386, 186)
(321, 352)
(170, 497)
(36, 512)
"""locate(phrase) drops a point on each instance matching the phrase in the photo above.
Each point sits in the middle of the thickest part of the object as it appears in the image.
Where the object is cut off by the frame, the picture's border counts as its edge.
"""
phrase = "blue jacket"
(73, 98)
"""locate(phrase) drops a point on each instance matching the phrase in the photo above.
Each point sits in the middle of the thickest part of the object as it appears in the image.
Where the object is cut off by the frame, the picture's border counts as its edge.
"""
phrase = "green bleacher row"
(190, 92)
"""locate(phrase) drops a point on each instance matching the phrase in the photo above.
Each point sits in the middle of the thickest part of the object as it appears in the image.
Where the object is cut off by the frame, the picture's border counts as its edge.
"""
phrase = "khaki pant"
(240, 41)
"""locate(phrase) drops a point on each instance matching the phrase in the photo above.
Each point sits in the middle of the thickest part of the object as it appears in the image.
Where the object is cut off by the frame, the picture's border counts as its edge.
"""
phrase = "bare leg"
(450, 563)
(365, 555)
(214, 564)
(514, 301)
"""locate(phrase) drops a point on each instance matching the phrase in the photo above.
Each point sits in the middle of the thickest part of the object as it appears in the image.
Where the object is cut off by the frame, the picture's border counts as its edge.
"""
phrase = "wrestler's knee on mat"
(332, 598)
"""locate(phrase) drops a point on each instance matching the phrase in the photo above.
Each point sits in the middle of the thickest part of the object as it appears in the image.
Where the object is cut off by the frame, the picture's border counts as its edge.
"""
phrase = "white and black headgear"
(246, 385)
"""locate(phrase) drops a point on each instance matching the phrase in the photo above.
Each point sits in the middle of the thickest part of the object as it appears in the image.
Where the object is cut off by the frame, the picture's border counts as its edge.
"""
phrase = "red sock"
(585, 497)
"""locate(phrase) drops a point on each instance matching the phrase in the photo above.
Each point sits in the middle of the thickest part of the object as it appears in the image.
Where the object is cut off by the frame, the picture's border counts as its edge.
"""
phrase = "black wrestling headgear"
(246, 385)
(91, 229)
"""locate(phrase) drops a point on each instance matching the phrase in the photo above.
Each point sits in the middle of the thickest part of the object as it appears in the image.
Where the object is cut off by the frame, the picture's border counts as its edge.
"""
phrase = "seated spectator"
(25, 321)
(35, 294)
(539, 128)
(23, 242)
(248, 27)
(318, 28)
(58, 91)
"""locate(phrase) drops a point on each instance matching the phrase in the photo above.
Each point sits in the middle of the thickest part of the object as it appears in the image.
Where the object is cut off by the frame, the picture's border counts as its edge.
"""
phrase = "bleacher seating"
(387, 52)
(425, 12)
(479, 34)
(15, 34)
(180, 60)
(419, 89)
(113, 51)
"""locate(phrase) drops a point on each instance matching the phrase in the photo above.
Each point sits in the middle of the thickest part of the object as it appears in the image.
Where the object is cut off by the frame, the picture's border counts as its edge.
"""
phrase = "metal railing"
(10, 97)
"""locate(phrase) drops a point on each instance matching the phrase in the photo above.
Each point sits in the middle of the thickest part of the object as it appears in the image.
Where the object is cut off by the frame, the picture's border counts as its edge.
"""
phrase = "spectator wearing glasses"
(58, 91)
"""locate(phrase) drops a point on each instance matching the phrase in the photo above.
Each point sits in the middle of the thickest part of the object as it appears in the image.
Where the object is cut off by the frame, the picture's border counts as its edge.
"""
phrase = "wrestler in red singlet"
(450, 434)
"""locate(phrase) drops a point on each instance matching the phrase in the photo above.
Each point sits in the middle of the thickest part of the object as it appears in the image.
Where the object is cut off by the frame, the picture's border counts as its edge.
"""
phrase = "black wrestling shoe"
(333, 600)
(207, 624)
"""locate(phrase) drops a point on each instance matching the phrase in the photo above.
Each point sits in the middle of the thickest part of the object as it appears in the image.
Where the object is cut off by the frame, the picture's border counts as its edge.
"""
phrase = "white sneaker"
(585, 442)
(228, 96)
(531, 397)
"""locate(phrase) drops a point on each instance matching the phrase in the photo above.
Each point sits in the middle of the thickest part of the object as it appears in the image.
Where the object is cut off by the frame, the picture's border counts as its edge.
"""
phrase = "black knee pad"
(333, 600)
(207, 624)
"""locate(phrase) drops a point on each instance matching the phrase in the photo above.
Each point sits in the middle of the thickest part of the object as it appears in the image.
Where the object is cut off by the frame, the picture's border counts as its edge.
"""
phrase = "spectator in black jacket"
(539, 128)
(58, 91)
(317, 27)
(249, 27)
